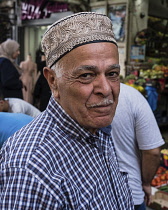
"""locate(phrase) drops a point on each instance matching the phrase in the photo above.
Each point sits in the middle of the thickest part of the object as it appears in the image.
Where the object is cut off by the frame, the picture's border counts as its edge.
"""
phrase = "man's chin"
(103, 123)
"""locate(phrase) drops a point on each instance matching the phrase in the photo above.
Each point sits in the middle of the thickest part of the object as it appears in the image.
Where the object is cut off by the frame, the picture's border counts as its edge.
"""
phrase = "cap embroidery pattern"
(73, 31)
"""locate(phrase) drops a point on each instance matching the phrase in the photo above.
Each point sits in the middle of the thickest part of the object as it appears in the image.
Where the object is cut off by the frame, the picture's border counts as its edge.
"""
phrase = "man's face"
(89, 86)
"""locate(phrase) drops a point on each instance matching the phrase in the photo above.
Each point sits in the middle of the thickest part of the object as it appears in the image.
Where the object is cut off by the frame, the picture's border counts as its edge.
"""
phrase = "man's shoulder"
(124, 88)
(35, 133)
(131, 94)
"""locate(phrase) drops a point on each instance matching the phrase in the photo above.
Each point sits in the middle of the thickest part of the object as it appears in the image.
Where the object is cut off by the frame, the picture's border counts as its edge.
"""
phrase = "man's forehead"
(89, 50)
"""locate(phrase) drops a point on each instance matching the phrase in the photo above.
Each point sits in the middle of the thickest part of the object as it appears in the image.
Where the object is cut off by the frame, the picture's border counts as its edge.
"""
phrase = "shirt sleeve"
(147, 130)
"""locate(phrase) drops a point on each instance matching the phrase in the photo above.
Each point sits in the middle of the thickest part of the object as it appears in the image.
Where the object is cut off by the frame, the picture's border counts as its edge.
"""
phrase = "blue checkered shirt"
(54, 163)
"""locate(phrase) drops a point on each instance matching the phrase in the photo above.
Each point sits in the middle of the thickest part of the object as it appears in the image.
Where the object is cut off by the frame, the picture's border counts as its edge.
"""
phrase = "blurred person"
(152, 89)
(10, 123)
(10, 82)
(70, 163)
(42, 92)
(137, 140)
(29, 77)
(39, 54)
(17, 105)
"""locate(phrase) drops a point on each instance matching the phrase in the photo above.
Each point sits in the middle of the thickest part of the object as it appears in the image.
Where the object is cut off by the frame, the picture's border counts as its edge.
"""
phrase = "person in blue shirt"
(10, 123)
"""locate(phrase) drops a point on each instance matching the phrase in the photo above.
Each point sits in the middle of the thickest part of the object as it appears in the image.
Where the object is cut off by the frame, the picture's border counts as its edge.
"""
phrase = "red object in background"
(131, 81)
(165, 159)
(162, 83)
(136, 73)
(161, 177)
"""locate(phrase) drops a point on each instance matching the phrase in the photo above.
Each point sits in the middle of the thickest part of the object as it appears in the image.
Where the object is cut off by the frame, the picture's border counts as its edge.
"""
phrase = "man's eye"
(114, 75)
(86, 76)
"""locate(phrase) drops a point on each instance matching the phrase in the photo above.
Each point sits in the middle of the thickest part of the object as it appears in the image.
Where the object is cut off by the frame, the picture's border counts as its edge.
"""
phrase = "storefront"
(36, 17)
(147, 67)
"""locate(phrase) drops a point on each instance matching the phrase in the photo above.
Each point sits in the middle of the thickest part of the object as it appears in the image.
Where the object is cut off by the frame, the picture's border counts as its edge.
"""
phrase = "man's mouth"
(105, 102)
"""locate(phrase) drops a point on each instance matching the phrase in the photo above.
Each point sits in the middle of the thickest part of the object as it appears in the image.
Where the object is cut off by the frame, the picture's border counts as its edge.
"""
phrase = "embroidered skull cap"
(73, 31)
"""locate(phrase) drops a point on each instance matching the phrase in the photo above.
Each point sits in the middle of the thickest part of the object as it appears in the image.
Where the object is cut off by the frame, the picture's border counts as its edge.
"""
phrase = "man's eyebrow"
(114, 66)
(87, 67)
(92, 67)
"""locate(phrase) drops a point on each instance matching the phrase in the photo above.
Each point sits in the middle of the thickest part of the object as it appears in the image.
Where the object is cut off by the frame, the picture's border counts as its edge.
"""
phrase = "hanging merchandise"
(143, 36)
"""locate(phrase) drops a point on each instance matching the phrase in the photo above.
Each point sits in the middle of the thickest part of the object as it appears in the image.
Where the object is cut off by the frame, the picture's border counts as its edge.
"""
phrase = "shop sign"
(138, 52)
(39, 9)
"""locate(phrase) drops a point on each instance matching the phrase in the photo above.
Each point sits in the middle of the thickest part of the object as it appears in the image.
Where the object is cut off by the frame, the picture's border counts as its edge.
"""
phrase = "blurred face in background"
(1, 106)
(4, 106)
(16, 54)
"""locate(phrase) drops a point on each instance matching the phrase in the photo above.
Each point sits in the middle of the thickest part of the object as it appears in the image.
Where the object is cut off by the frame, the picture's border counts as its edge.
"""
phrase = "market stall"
(160, 184)
(148, 66)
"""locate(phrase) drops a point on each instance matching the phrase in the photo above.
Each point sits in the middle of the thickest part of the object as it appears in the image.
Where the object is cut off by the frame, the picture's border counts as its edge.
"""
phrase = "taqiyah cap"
(73, 31)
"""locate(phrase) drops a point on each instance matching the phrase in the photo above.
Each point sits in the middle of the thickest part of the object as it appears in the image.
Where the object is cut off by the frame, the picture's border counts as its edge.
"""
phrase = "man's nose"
(102, 85)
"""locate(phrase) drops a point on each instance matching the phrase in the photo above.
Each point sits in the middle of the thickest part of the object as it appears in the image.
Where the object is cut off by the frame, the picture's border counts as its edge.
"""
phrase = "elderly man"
(62, 160)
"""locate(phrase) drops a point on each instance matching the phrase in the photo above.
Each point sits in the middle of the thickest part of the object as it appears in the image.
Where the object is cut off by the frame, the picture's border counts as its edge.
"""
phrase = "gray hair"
(58, 68)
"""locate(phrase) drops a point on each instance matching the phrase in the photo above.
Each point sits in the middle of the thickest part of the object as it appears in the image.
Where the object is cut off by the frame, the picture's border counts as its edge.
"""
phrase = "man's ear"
(50, 76)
